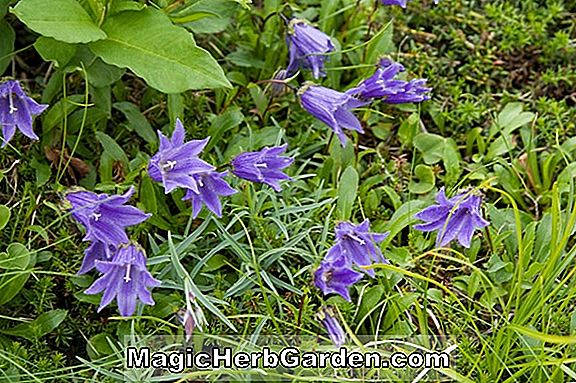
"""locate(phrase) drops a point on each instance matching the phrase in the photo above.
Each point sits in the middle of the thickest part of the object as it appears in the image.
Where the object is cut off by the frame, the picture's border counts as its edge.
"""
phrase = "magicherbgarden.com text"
(289, 357)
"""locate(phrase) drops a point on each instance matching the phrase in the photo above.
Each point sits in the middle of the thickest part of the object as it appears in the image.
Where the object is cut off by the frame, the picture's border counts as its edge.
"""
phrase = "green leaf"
(17, 257)
(112, 148)
(39, 327)
(223, 123)
(164, 55)
(347, 192)
(426, 179)
(64, 20)
(4, 216)
(136, 120)
(101, 74)
(380, 44)
(6, 45)
(53, 50)
(148, 195)
(431, 146)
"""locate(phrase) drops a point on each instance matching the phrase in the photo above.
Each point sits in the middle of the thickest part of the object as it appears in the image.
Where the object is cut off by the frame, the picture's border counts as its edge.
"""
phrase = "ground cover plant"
(338, 169)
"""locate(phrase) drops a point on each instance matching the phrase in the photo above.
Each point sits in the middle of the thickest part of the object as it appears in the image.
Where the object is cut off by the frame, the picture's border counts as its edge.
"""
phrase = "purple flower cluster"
(355, 246)
(334, 108)
(17, 111)
(177, 165)
(454, 218)
(122, 264)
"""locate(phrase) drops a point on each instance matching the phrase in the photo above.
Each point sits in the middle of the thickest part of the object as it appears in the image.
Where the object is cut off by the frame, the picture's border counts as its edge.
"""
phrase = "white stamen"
(96, 216)
(200, 183)
(127, 277)
(261, 165)
(12, 107)
(169, 165)
(360, 240)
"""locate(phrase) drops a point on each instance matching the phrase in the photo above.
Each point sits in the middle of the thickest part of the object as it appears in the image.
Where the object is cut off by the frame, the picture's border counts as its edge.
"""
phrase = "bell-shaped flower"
(125, 278)
(17, 111)
(335, 332)
(335, 274)
(308, 47)
(332, 108)
(97, 251)
(211, 185)
(264, 166)
(454, 218)
(359, 245)
(177, 161)
(382, 85)
(104, 216)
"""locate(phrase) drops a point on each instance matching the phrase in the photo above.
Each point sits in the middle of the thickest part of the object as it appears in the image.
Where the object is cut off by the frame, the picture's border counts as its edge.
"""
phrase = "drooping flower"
(17, 110)
(332, 108)
(211, 185)
(359, 245)
(176, 162)
(104, 216)
(454, 218)
(97, 251)
(383, 85)
(264, 166)
(335, 274)
(333, 327)
(125, 278)
(308, 47)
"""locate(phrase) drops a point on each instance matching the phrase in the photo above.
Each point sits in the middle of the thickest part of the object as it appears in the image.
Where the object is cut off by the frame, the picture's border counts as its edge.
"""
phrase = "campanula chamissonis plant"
(359, 245)
(177, 161)
(264, 166)
(104, 216)
(454, 218)
(17, 110)
(355, 246)
(211, 186)
(308, 47)
(382, 85)
(335, 274)
(335, 331)
(125, 278)
(332, 108)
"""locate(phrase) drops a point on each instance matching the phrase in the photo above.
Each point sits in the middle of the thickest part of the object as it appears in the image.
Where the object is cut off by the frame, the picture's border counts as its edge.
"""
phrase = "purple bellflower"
(176, 162)
(17, 110)
(383, 85)
(401, 3)
(105, 217)
(359, 245)
(333, 327)
(308, 47)
(125, 278)
(211, 185)
(332, 108)
(453, 218)
(97, 251)
(264, 166)
(335, 274)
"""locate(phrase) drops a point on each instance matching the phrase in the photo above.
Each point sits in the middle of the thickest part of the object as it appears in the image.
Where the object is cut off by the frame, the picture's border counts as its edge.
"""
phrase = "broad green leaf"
(221, 124)
(426, 180)
(6, 45)
(99, 346)
(53, 50)
(101, 74)
(148, 195)
(16, 257)
(4, 216)
(64, 20)
(4, 7)
(431, 146)
(347, 191)
(39, 327)
(164, 55)
(136, 120)
(117, 6)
